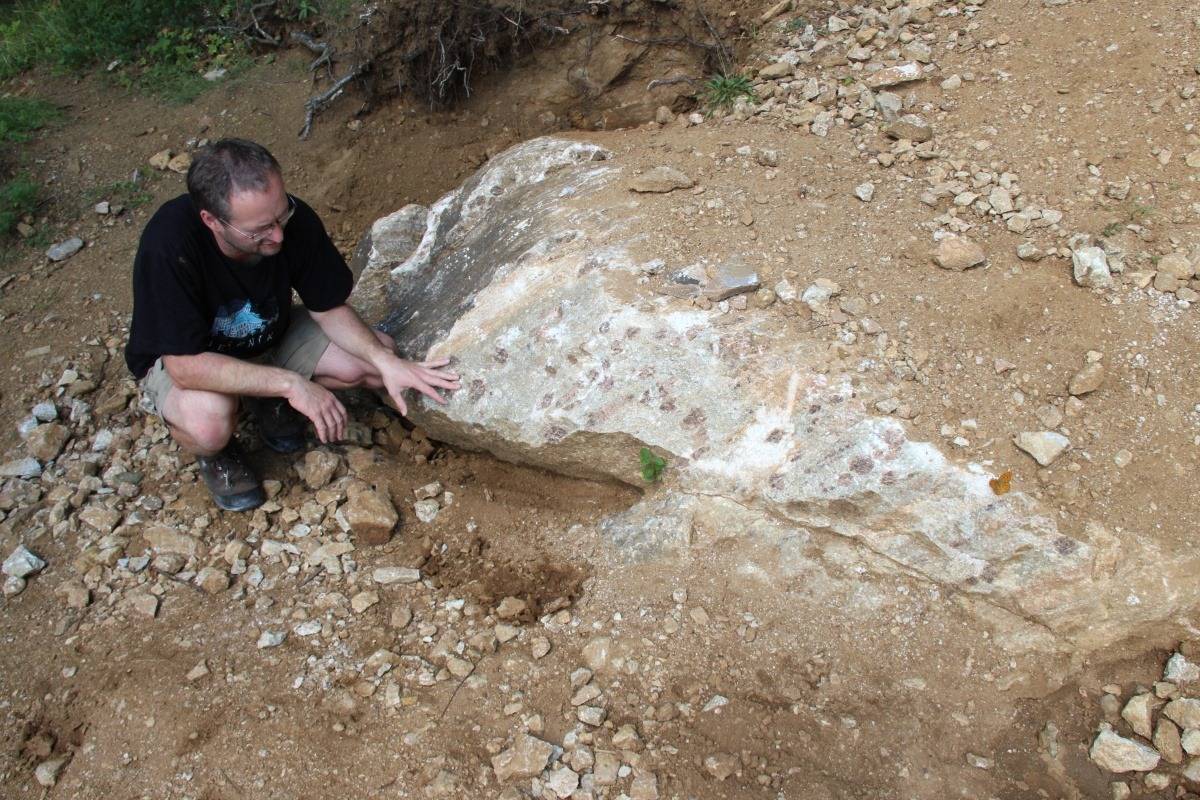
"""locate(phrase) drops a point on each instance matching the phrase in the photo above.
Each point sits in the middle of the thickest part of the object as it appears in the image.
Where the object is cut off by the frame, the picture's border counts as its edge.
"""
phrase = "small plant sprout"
(722, 91)
(652, 465)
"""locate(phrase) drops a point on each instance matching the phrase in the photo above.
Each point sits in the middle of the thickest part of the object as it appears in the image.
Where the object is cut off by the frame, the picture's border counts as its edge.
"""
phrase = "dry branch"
(317, 103)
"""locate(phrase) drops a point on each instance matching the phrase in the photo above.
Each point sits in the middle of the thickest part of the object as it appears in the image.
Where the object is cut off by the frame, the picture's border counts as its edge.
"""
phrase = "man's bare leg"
(203, 423)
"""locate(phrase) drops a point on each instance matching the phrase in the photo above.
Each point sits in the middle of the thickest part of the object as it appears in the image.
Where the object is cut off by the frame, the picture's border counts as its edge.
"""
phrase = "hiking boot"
(233, 484)
(282, 429)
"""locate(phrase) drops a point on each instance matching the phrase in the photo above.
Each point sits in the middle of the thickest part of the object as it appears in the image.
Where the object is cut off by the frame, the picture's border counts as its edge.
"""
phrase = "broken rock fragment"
(1118, 754)
(661, 180)
(527, 757)
(1044, 446)
(913, 127)
(1185, 712)
(1087, 380)
(22, 563)
(892, 76)
(1089, 268)
(958, 253)
(370, 515)
(1138, 712)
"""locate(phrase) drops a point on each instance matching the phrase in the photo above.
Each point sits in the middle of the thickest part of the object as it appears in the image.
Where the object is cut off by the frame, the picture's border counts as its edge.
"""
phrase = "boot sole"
(243, 501)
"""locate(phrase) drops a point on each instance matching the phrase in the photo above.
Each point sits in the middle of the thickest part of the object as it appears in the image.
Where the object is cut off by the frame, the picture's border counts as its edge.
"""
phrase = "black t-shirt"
(188, 298)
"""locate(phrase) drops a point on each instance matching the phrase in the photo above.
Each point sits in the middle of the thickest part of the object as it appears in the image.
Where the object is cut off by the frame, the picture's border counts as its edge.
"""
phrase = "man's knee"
(207, 418)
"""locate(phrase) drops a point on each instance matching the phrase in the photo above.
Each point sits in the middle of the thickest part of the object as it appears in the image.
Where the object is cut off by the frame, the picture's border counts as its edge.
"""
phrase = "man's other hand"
(326, 412)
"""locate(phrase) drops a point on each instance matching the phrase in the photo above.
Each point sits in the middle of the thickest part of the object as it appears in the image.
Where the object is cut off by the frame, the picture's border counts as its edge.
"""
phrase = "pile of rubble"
(1154, 731)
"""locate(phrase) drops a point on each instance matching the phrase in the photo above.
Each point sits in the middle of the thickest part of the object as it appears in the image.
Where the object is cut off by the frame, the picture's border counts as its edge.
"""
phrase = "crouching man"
(213, 321)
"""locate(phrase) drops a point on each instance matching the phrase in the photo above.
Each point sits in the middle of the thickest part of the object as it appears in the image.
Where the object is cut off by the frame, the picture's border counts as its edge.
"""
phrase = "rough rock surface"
(957, 253)
(370, 515)
(534, 267)
(1118, 754)
(526, 758)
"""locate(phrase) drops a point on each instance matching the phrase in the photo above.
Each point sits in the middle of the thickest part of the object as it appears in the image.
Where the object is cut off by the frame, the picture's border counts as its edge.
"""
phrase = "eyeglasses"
(282, 221)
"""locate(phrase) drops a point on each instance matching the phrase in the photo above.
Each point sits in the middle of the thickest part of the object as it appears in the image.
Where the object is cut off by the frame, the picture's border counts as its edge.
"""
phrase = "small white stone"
(429, 491)
(310, 627)
(47, 772)
(22, 563)
(426, 510)
(1090, 268)
(271, 639)
(1180, 670)
(390, 575)
(1044, 446)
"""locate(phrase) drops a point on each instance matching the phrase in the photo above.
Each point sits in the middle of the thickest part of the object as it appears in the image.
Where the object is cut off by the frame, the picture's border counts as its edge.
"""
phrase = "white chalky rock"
(1090, 268)
(1118, 754)
(1044, 446)
(21, 468)
(1180, 670)
(22, 563)
(820, 292)
(520, 265)
(563, 782)
(309, 627)
(271, 639)
(64, 250)
(428, 491)
(426, 510)
(527, 757)
(390, 575)
(45, 411)
(47, 772)
(1185, 712)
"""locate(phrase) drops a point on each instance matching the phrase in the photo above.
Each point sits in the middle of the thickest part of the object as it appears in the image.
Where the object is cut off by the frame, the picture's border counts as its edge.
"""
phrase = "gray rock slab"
(64, 250)
(22, 563)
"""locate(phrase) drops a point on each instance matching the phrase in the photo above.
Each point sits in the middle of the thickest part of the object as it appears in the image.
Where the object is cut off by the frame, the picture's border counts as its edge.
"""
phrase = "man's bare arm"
(346, 329)
(214, 372)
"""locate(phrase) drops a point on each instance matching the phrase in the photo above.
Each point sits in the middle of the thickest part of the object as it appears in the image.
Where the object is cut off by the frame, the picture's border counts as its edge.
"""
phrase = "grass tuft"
(21, 116)
(722, 91)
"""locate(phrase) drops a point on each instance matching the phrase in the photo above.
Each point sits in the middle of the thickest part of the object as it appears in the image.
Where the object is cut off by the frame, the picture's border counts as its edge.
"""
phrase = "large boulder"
(578, 348)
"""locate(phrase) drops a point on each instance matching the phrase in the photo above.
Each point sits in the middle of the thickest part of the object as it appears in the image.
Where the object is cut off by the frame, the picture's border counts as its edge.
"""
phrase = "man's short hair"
(226, 166)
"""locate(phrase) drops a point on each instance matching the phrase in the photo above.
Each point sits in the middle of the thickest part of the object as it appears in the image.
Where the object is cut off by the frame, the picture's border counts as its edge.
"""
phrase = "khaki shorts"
(299, 350)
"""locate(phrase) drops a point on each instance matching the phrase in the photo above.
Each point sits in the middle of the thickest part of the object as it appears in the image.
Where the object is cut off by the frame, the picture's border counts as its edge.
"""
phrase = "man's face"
(253, 227)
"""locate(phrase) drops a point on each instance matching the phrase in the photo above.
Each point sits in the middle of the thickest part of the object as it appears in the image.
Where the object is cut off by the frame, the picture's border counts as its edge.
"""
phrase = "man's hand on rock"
(424, 376)
(326, 412)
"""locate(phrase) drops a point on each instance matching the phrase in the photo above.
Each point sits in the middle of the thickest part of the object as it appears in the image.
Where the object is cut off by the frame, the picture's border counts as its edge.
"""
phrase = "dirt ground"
(823, 696)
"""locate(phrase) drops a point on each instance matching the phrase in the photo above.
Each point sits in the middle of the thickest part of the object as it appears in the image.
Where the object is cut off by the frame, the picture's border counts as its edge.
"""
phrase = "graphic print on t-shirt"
(243, 327)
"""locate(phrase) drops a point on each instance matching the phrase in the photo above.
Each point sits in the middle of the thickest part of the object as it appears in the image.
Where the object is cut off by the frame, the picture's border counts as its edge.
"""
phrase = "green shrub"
(21, 116)
(73, 34)
(722, 91)
(652, 465)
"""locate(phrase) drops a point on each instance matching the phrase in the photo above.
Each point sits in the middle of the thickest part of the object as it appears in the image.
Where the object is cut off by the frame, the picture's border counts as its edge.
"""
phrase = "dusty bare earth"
(723, 677)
